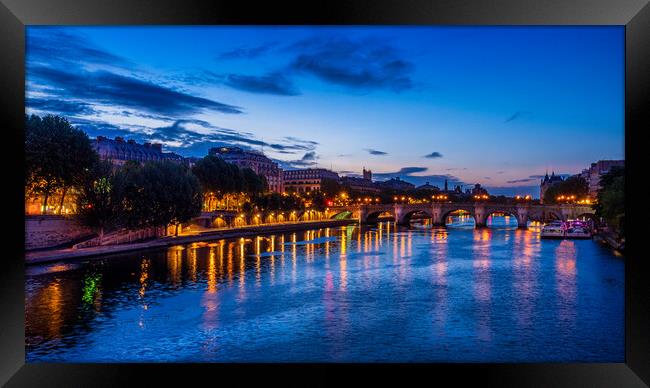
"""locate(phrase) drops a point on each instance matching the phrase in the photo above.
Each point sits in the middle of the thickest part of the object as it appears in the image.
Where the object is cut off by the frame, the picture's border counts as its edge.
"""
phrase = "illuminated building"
(360, 185)
(595, 171)
(118, 151)
(548, 182)
(309, 179)
(254, 160)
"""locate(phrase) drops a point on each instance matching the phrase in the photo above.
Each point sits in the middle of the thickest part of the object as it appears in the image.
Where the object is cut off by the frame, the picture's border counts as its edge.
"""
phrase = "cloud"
(365, 64)
(272, 83)
(308, 159)
(533, 178)
(52, 45)
(56, 106)
(375, 152)
(520, 114)
(456, 169)
(433, 155)
(107, 88)
(524, 180)
(247, 52)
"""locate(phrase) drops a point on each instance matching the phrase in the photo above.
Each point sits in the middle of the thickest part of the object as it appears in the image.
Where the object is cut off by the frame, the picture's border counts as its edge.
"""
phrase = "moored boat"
(578, 229)
(554, 229)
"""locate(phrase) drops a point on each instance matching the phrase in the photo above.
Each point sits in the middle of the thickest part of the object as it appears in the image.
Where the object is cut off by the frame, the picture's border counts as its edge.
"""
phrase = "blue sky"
(490, 105)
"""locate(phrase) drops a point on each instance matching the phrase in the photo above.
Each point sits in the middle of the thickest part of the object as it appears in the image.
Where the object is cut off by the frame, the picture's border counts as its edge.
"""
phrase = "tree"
(97, 204)
(574, 185)
(219, 177)
(158, 194)
(611, 198)
(330, 187)
(57, 156)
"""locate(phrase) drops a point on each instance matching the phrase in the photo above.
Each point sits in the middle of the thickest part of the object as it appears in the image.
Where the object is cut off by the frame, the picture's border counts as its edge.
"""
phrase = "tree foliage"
(275, 201)
(154, 194)
(218, 176)
(574, 185)
(611, 198)
(57, 155)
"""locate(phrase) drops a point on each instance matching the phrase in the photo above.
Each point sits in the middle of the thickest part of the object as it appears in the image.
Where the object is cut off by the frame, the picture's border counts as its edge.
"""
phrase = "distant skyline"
(497, 106)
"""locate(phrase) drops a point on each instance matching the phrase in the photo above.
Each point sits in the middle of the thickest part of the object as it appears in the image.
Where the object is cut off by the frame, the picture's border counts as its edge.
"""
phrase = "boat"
(554, 229)
(578, 229)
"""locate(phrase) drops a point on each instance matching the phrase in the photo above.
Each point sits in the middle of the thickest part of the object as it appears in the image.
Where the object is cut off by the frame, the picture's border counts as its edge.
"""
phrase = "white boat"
(555, 229)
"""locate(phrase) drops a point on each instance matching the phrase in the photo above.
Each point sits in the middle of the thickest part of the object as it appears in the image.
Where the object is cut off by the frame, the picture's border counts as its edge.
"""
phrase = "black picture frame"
(633, 14)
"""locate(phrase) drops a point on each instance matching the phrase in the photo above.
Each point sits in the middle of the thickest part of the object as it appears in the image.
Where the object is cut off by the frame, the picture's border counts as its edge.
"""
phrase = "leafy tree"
(97, 204)
(218, 178)
(611, 198)
(158, 194)
(574, 185)
(57, 156)
(330, 187)
(252, 183)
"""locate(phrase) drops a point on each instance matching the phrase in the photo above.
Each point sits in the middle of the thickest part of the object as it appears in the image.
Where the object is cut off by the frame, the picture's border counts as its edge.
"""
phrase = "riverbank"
(38, 257)
(611, 240)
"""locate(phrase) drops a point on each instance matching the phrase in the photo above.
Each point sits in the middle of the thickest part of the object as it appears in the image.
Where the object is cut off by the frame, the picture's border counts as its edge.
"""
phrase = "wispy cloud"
(361, 64)
(375, 152)
(272, 83)
(518, 115)
(433, 155)
(53, 46)
(106, 88)
(248, 52)
(308, 159)
(406, 173)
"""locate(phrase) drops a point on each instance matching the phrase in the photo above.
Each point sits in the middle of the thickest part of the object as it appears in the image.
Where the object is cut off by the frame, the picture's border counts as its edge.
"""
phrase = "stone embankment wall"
(52, 231)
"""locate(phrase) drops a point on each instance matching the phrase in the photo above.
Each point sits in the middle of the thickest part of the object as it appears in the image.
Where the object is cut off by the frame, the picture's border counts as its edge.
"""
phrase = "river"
(344, 294)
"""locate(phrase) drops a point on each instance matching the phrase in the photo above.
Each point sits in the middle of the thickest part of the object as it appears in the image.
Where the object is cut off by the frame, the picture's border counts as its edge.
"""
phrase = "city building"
(367, 174)
(396, 184)
(595, 171)
(118, 151)
(478, 190)
(254, 160)
(309, 179)
(427, 187)
(360, 185)
(548, 182)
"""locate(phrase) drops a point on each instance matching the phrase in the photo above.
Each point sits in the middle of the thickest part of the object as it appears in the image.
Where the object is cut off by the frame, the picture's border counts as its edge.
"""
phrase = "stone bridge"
(438, 212)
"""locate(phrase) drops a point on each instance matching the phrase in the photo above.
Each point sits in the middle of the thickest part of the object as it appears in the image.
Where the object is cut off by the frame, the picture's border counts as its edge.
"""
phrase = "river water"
(341, 294)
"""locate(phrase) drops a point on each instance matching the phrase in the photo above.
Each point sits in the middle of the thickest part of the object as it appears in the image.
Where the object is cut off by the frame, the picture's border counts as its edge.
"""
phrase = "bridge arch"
(457, 210)
(373, 216)
(519, 218)
(405, 217)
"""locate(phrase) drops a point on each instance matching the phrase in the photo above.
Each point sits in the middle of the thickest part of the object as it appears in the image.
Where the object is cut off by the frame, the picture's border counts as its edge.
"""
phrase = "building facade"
(360, 185)
(254, 160)
(547, 182)
(305, 180)
(396, 184)
(119, 151)
(595, 171)
(367, 174)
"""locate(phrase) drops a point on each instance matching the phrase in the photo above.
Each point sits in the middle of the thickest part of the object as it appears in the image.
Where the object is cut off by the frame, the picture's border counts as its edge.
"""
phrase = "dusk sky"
(491, 105)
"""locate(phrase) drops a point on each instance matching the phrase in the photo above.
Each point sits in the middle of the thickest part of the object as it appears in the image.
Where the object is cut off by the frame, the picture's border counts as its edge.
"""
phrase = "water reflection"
(349, 293)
